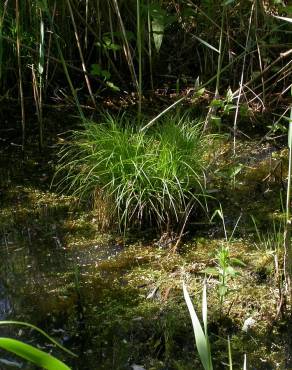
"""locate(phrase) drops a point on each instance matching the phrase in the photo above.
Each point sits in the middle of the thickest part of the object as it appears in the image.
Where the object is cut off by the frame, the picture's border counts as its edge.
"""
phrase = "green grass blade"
(41, 48)
(32, 354)
(229, 355)
(286, 19)
(290, 131)
(204, 308)
(244, 363)
(207, 44)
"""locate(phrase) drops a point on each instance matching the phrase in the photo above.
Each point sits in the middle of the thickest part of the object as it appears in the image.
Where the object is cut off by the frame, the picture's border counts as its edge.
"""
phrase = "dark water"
(51, 286)
(43, 282)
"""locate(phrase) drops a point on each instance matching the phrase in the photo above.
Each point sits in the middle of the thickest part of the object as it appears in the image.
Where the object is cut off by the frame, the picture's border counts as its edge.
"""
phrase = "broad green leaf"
(201, 341)
(228, 107)
(32, 354)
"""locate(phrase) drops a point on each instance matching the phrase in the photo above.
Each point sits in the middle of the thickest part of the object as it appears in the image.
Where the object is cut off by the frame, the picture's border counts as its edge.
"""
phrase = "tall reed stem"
(41, 71)
(2, 16)
(288, 225)
(241, 80)
(139, 44)
(150, 46)
(20, 72)
(73, 91)
(81, 54)
(126, 46)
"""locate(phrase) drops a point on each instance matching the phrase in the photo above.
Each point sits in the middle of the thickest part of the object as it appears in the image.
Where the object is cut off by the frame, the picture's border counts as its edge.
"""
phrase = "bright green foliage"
(32, 354)
(152, 176)
(201, 334)
(224, 270)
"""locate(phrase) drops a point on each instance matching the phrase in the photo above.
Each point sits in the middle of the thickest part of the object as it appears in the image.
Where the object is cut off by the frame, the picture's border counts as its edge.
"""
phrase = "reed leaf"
(201, 337)
(32, 354)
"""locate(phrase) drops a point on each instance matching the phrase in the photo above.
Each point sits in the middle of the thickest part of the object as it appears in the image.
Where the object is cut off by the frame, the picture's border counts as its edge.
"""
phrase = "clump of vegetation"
(154, 176)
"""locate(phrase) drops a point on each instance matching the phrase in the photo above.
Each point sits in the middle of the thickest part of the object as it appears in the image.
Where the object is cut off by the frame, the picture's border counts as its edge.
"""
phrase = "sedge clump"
(136, 177)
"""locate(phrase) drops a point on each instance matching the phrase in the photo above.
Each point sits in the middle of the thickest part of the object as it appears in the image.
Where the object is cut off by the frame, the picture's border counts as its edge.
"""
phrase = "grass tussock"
(133, 176)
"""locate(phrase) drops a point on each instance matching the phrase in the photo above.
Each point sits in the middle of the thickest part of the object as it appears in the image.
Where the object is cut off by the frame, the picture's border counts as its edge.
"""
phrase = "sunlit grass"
(150, 177)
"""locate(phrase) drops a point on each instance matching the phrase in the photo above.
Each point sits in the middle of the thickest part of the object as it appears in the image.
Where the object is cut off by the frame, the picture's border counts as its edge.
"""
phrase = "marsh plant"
(225, 264)
(154, 176)
(31, 353)
(201, 332)
(226, 270)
